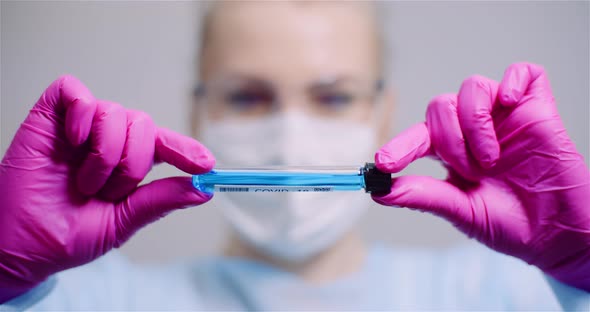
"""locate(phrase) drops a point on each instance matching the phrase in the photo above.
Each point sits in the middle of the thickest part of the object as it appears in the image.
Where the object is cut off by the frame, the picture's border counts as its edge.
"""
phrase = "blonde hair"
(382, 19)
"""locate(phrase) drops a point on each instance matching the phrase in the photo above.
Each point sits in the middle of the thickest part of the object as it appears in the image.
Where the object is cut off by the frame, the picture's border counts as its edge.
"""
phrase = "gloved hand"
(516, 182)
(68, 183)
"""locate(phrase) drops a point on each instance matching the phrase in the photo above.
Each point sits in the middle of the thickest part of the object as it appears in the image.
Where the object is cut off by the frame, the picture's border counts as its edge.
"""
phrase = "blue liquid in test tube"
(294, 179)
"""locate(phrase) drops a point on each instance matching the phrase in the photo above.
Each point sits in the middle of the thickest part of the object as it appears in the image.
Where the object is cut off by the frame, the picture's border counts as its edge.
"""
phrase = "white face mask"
(291, 226)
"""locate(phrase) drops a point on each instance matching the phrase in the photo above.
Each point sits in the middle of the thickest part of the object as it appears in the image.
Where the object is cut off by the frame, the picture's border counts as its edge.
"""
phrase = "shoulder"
(468, 276)
(112, 282)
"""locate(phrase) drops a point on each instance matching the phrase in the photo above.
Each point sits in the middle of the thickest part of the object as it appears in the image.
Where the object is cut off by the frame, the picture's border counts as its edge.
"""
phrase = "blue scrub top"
(465, 278)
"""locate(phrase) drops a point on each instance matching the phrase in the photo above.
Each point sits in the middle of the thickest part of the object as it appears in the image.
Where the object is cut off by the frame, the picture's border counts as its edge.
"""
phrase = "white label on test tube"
(271, 188)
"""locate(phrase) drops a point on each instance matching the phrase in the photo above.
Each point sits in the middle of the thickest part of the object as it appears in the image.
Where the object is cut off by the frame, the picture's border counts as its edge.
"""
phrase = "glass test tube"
(294, 179)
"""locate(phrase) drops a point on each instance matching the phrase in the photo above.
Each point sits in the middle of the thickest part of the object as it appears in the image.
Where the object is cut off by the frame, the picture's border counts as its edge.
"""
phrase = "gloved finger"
(107, 138)
(446, 137)
(183, 152)
(402, 150)
(475, 102)
(431, 195)
(68, 97)
(152, 201)
(137, 157)
(520, 78)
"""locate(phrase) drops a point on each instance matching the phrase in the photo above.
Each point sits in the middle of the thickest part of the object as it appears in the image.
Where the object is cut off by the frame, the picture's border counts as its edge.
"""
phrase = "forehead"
(291, 38)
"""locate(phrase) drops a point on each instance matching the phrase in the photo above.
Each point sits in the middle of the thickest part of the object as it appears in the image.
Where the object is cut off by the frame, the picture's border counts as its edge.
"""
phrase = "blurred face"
(320, 59)
(290, 83)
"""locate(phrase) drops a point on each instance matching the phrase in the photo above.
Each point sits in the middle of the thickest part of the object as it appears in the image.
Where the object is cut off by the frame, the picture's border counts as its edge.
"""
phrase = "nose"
(293, 102)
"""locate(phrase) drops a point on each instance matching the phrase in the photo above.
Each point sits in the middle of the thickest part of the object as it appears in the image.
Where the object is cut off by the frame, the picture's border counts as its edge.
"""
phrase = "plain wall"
(141, 54)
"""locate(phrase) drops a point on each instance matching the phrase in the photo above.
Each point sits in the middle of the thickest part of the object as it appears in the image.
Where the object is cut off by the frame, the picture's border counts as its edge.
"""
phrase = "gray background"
(141, 54)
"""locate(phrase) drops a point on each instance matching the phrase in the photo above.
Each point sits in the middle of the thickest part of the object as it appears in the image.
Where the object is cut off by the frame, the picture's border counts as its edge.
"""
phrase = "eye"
(244, 100)
(334, 100)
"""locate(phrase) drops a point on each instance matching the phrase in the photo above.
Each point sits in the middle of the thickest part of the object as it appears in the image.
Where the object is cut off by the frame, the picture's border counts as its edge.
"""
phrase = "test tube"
(294, 179)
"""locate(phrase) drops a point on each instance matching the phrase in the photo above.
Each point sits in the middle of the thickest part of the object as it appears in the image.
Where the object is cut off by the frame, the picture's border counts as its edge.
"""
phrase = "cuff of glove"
(21, 300)
(576, 275)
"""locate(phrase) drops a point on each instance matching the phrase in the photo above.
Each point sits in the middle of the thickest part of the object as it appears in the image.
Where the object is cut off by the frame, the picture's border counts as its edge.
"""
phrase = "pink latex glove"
(69, 183)
(516, 182)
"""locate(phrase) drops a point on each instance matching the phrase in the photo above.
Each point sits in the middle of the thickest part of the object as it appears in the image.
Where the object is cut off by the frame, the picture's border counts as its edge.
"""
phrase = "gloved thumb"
(152, 201)
(428, 194)
(402, 150)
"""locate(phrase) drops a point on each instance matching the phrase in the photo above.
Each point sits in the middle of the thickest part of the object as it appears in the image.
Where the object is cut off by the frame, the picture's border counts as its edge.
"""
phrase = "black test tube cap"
(376, 181)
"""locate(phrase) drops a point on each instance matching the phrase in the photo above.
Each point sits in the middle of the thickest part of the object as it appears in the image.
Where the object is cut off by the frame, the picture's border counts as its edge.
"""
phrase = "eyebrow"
(240, 77)
(319, 83)
(327, 82)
